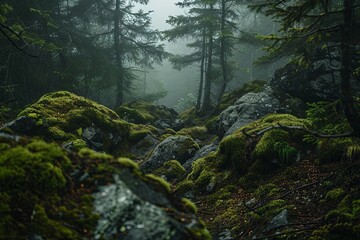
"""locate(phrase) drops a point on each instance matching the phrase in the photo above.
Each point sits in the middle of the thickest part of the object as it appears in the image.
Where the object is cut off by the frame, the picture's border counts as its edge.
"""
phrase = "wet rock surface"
(88, 195)
(205, 150)
(126, 215)
(248, 108)
(180, 148)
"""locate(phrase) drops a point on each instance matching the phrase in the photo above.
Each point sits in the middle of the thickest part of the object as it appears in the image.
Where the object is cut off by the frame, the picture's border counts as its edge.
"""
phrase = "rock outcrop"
(178, 147)
(87, 195)
(253, 106)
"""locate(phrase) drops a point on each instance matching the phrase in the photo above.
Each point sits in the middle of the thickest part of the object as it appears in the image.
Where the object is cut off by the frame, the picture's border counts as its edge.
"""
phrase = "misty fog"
(179, 84)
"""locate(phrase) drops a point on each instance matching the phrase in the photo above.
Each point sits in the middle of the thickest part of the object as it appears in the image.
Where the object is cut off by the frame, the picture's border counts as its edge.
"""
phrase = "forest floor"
(303, 186)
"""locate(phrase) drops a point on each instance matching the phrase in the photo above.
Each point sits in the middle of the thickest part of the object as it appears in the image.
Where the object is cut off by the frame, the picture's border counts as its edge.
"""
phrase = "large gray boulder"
(130, 209)
(179, 148)
(248, 108)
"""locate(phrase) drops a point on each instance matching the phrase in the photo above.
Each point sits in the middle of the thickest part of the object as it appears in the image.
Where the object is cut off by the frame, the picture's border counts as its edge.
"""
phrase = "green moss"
(204, 179)
(57, 134)
(188, 144)
(184, 187)
(38, 118)
(211, 125)
(171, 170)
(165, 136)
(4, 146)
(208, 170)
(266, 190)
(169, 131)
(132, 115)
(126, 162)
(88, 153)
(356, 208)
(241, 151)
(231, 216)
(65, 113)
(330, 150)
(47, 191)
(189, 205)
(265, 148)
(138, 132)
(234, 148)
(200, 232)
(188, 114)
(335, 194)
(194, 132)
(141, 112)
(159, 181)
(336, 231)
(46, 227)
(273, 207)
(33, 167)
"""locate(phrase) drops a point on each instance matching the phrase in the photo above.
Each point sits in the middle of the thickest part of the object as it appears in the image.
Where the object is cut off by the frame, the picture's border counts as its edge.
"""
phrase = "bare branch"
(282, 233)
(18, 36)
(298, 128)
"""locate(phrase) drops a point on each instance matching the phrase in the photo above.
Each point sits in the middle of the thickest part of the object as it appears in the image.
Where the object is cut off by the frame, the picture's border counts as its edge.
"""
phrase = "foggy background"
(179, 84)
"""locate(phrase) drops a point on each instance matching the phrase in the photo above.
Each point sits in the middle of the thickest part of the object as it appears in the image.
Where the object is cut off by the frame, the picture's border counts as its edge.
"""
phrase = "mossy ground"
(62, 116)
(47, 191)
(259, 177)
(141, 112)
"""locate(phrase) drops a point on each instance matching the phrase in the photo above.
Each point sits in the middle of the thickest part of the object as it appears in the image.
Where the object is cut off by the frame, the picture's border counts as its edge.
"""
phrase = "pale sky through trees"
(162, 9)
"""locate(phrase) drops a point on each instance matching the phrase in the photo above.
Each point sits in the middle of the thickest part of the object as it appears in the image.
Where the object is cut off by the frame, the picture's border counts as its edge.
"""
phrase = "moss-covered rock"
(141, 112)
(176, 147)
(170, 170)
(63, 116)
(198, 132)
(241, 151)
(62, 194)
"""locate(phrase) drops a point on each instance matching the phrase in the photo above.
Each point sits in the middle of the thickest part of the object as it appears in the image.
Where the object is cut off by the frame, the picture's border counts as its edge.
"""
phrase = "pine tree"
(211, 26)
(134, 43)
(317, 23)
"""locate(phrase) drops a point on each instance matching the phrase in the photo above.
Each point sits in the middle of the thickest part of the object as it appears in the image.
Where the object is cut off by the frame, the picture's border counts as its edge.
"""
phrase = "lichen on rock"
(66, 117)
(62, 193)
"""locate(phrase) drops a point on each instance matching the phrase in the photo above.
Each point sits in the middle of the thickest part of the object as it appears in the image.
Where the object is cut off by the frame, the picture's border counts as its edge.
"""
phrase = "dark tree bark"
(118, 59)
(350, 111)
(208, 78)
(202, 71)
(223, 50)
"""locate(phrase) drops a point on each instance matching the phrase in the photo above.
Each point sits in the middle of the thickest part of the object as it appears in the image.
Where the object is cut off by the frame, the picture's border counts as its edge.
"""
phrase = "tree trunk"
(202, 70)
(350, 111)
(118, 60)
(223, 50)
(208, 78)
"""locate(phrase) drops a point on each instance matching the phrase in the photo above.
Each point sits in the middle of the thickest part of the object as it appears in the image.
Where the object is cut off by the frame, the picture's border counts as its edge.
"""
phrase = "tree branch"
(283, 233)
(18, 35)
(298, 128)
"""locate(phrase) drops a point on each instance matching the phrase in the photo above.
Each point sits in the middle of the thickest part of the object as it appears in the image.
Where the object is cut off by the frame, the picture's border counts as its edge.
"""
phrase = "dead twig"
(18, 36)
(252, 209)
(283, 233)
(299, 128)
